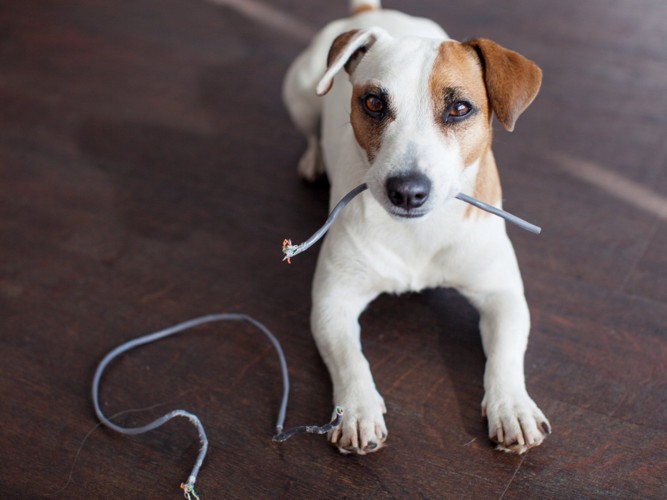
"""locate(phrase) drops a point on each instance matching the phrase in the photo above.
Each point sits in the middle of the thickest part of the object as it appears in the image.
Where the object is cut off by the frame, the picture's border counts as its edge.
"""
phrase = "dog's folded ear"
(345, 52)
(511, 80)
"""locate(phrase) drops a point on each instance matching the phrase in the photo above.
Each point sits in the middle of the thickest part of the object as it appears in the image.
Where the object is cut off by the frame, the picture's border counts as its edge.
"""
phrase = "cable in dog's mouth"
(290, 250)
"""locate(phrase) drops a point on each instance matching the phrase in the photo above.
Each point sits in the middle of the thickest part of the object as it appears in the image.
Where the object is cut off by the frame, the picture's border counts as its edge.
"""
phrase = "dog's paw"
(516, 424)
(311, 166)
(362, 430)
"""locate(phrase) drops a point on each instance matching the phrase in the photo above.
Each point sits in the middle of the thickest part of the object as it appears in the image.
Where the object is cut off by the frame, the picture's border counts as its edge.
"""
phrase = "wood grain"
(147, 173)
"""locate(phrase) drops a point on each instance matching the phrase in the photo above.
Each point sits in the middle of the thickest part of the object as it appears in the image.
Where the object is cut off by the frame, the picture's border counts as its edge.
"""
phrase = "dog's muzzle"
(408, 193)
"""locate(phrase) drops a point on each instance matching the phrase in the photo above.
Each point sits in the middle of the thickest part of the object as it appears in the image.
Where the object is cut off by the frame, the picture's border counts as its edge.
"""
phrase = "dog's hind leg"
(311, 164)
(305, 109)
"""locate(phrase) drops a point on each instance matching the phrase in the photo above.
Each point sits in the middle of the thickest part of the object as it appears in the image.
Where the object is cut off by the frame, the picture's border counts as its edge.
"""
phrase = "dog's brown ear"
(345, 52)
(511, 80)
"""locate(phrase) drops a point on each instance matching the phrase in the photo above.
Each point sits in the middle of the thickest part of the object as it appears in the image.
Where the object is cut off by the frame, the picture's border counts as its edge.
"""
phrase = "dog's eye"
(373, 105)
(460, 109)
(457, 110)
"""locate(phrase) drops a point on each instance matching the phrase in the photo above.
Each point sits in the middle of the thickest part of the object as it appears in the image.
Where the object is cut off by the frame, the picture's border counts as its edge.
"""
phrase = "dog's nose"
(408, 191)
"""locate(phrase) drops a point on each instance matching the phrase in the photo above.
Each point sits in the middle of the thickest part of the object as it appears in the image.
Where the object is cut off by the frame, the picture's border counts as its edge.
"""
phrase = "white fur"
(370, 251)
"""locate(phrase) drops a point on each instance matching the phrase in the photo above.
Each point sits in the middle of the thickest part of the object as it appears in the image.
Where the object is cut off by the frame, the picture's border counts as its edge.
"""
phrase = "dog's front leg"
(338, 300)
(515, 422)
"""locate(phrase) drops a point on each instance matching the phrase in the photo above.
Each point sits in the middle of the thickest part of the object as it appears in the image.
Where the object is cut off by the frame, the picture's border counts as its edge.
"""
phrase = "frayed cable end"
(189, 491)
(289, 250)
(311, 429)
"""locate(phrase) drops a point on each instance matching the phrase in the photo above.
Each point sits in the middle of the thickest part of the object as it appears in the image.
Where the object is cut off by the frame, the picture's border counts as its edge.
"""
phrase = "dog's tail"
(359, 6)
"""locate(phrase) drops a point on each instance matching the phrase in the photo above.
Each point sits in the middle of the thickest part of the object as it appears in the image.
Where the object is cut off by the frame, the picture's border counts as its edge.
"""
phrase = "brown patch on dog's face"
(370, 114)
(488, 187)
(463, 112)
(460, 104)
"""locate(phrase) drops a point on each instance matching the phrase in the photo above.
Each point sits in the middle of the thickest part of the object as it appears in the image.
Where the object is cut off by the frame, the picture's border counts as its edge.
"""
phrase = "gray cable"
(311, 429)
(290, 250)
(501, 213)
(188, 486)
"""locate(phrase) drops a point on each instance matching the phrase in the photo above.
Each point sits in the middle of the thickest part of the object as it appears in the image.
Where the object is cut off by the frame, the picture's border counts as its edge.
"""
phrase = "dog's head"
(421, 109)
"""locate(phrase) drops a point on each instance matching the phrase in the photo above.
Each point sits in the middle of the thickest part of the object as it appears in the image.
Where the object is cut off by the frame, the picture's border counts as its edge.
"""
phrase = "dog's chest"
(410, 258)
(423, 271)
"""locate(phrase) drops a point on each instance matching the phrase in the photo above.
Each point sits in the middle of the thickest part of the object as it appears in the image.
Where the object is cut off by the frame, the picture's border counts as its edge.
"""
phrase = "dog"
(412, 119)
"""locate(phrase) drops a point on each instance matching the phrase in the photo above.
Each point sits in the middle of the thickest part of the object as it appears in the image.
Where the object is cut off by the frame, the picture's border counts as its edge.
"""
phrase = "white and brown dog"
(413, 121)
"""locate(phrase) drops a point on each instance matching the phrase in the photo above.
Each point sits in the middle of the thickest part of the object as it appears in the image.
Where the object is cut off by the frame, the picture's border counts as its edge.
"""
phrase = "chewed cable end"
(311, 429)
(289, 250)
(189, 491)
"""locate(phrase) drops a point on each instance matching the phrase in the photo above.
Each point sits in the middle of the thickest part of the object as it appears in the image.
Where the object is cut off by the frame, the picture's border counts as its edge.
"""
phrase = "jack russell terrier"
(412, 119)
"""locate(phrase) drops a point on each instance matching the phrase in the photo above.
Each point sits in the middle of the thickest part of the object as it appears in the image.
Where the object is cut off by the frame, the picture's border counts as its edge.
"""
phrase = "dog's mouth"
(406, 214)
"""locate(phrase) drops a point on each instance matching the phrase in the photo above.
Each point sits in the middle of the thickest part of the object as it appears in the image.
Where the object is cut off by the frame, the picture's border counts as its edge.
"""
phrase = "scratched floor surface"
(147, 175)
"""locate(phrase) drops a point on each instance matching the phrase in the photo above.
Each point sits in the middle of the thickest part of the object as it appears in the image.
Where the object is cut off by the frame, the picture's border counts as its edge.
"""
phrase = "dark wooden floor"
(147, 175)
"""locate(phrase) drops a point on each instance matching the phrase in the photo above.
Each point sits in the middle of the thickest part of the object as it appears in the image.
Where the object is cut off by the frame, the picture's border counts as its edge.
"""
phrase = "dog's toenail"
(372, 445)
(546, 428)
